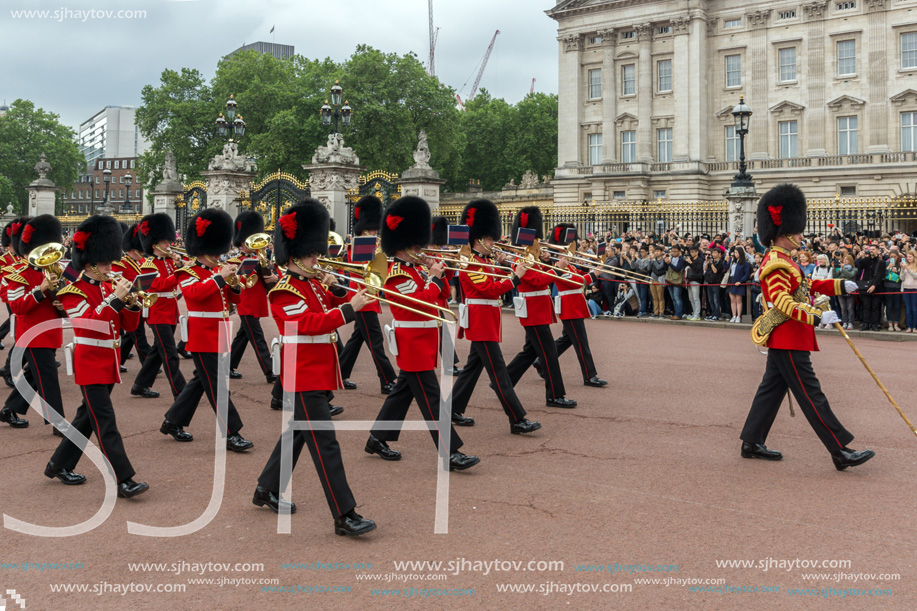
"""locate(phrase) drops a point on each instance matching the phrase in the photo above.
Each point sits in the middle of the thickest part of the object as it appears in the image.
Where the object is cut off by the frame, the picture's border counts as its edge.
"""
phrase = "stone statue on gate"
(169, 170)
(422, 153)
(335, 152)
(230, 160)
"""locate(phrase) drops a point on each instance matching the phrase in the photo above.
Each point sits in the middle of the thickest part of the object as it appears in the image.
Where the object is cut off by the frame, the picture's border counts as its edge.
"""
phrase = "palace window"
(629, 147)
(732, 143)
(664, 145)
(846, 57)
(787, 62)
(909, 131)
(628, 79)
(732, 23)
(846, 135)
(595, 84)
(909, 50)
(733, 70)
(789, 133)
(664, 75)
(595, 149)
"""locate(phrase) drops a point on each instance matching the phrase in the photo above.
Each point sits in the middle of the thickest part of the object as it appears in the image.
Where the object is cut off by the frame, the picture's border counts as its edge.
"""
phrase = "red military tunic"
(165, 310)
(570, 294)
(128, 267)
(254, 298)
(445, 294)
(14, 266)
(535, 288)
(208, 298)
(482, 300)
(32, 307)
(97, 354)
(416, 336)
(780, 278)
(310, 307)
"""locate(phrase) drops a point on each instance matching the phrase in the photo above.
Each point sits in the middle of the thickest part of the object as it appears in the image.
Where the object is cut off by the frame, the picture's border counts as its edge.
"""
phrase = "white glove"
(850, 286)
(830, 317)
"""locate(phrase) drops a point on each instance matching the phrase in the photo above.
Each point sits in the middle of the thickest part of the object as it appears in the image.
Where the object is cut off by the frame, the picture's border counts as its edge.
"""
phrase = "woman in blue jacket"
(739, 273)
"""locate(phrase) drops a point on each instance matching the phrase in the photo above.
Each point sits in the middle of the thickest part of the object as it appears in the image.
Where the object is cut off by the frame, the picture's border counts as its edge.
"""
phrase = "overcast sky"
(75, 67)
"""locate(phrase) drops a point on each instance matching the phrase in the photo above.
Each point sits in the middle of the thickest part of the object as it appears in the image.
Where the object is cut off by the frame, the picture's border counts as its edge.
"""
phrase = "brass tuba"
(258, 243)
(47, 257)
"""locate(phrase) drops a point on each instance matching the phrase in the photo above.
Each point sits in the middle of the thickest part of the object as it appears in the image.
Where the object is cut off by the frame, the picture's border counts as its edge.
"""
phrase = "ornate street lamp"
(334, 110)
(126, 207)
(742, 115)
(232, 125)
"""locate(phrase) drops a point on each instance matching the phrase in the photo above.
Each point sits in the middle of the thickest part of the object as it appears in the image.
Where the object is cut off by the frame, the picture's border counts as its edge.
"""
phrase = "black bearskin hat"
(13, 230)
(440, 231)
(367, 214)
(528, 218)
(42, 229)
(97, 240)
(483, 220)
(559, 233)
(781, 211)
(406, 223)
(332, 226)
(209, 233)
(248, 223)
(301, 232)
(155, 228)
(131, 239)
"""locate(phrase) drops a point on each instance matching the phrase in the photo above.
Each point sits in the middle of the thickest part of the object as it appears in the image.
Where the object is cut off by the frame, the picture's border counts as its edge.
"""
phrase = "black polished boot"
(523, 426)
(845, 457)
(595, 381)
(177, 432)
(143, 391)
(759, 450)
(234, 375)
(237, 443)
(374, 446)
(462, 420)
(561, 402)
(460, 462)
(348, 385)
(263, 497)
(336, 409)
(387, 388)
(68, 477)
(12, 418)
(353, 524)
(129, 488)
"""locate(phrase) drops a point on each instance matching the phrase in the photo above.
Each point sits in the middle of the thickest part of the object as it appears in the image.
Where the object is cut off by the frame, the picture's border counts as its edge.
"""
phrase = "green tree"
(25, 133)
(7, 193)
(533, 146)
(488, 125)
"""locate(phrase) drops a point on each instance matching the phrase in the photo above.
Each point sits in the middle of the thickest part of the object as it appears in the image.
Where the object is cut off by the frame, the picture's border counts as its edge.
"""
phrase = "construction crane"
(532, 90)
(477, 81)
(434, 33)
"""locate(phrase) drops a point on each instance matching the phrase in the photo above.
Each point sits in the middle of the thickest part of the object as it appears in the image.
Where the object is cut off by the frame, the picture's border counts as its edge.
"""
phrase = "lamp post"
(126, 207)
(231, 126)
(104, 208)
(742, 115)
(335, 111)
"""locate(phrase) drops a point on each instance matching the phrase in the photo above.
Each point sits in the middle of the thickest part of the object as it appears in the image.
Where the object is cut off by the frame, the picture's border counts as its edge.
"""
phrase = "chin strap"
(793, 241)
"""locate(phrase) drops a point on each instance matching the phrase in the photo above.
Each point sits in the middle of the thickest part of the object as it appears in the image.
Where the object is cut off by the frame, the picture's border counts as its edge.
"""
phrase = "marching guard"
(570, 305)
(96, 362)
(535, 311)
(157, 232)
(253, 306)
(439, 238)
(480, 319)
(367, 214)
(32, 296)
(12, 263)
(414, 335)
(787, 328)
(209, 289)
(310, 370)
(129, 267)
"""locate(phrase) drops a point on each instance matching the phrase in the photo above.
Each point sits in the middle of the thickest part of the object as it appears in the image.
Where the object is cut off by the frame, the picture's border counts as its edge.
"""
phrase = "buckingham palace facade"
(646, 90)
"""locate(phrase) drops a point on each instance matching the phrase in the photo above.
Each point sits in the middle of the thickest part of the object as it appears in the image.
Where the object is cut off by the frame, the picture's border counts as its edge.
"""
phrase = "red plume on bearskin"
(289, 225)
(98, 239)
(201, 226)
(212, 234)
(79, 239)
(406, 224)
(781, 211)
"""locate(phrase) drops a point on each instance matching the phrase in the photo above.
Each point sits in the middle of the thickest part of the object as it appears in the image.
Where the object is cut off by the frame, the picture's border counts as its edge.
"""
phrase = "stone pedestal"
(42, 190)
(334, 170)
(165, 192)
(742, 209)
(422, 183)
(223, 189)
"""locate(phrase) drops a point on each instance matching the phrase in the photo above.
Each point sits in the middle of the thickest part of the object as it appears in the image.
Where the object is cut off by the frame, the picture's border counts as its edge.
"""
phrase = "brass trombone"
(572, 254)
(463, 260)
(373, 276)
(528, 254)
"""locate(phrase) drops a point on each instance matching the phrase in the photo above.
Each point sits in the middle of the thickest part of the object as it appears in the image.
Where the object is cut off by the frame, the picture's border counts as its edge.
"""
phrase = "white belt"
(327, 338)
(223, 314)
(165, 295)
(416, 324)
(573, 292)
(546, 292)
(489, 302)
(98, 343)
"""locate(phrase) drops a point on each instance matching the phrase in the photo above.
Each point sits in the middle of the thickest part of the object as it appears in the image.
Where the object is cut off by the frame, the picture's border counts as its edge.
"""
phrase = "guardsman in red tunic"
(367, 214)
(129, 267)
(413, 337)
(535, 311)
(571, 308)
(253, 306)
(480, 318)
(157, 232)
(787, 328)
(440, 237)
(13, 262)
(96, 362)
(34, 302)
(209, 289)
(307, 317)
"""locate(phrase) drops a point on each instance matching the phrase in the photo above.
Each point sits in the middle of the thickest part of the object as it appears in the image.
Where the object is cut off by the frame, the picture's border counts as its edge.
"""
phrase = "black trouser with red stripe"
(313, 406)
(367, 330)
(539, 344)
(136, 339)
(793, 369)
(42, 376)
(575, 335)
(205, 381)
(423, 387)
(96, 415)
(486, 355)
(164, 354)
(250, 332)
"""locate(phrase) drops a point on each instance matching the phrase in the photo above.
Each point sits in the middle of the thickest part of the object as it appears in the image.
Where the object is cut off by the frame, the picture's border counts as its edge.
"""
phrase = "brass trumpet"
(463, 260)
(146, 299)
(373, 276)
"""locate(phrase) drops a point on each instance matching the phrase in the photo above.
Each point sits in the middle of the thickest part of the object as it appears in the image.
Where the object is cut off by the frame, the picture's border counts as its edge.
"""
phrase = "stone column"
(757, 55)
(421, 180)
(609, 96)
(227, 174)
(334, 170)
(645, 89)
(42, 190)
(876, 72)
(742, 209)
(699, 115)
(164, 195)
(816, 127)
(570, 102)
